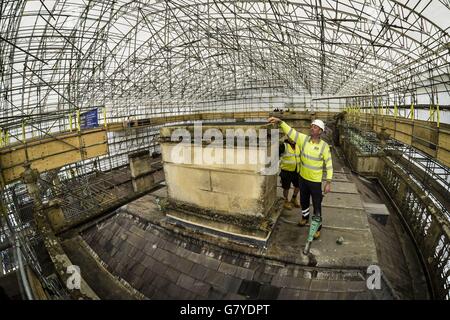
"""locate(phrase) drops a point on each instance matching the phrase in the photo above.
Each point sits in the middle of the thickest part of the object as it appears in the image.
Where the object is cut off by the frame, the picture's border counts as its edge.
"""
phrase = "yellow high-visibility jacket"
(314, 156)
(290, 159)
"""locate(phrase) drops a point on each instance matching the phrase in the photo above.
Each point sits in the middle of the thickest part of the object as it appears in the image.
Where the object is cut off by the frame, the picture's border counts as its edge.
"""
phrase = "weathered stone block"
(237, 184)
(143, 183)
(222, 191)
(140, 163)
(237, 158)
(56, 217)
(224, 181)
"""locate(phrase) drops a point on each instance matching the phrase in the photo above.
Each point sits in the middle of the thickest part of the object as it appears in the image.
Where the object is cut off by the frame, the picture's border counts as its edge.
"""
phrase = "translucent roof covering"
(152, 57)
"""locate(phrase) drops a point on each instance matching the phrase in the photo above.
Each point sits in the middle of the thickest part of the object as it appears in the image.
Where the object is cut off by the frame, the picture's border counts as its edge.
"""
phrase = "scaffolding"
(169, 57)
(155, 59)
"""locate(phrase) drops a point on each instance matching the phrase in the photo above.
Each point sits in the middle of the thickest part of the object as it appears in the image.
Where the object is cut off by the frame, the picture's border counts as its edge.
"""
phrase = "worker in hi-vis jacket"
(290, 168)
(315, 154)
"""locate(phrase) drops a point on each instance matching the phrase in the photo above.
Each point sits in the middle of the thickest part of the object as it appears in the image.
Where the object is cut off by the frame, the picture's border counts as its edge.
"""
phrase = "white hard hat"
(319, 123)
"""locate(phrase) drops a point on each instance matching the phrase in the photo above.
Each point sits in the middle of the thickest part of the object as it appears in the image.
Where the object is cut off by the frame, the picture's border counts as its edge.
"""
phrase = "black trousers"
(308, 190)
(288, 177)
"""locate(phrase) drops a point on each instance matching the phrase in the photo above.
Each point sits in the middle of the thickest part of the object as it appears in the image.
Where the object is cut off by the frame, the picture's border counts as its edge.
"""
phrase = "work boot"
(303, 222)
(287, 205)
(295, 202)
(317, 235)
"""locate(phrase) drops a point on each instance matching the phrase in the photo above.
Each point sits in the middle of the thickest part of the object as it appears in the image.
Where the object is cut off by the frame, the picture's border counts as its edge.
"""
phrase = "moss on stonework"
(247, 222)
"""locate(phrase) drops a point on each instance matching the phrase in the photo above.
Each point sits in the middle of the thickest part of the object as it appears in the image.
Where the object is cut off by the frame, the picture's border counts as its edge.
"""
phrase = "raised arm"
(295, 136)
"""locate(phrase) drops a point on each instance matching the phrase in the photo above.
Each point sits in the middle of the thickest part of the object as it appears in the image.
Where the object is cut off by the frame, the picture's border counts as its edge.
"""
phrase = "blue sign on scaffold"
(89, 119)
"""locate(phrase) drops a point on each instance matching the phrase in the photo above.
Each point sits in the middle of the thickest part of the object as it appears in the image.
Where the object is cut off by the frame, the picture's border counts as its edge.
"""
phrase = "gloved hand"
(273, 120)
